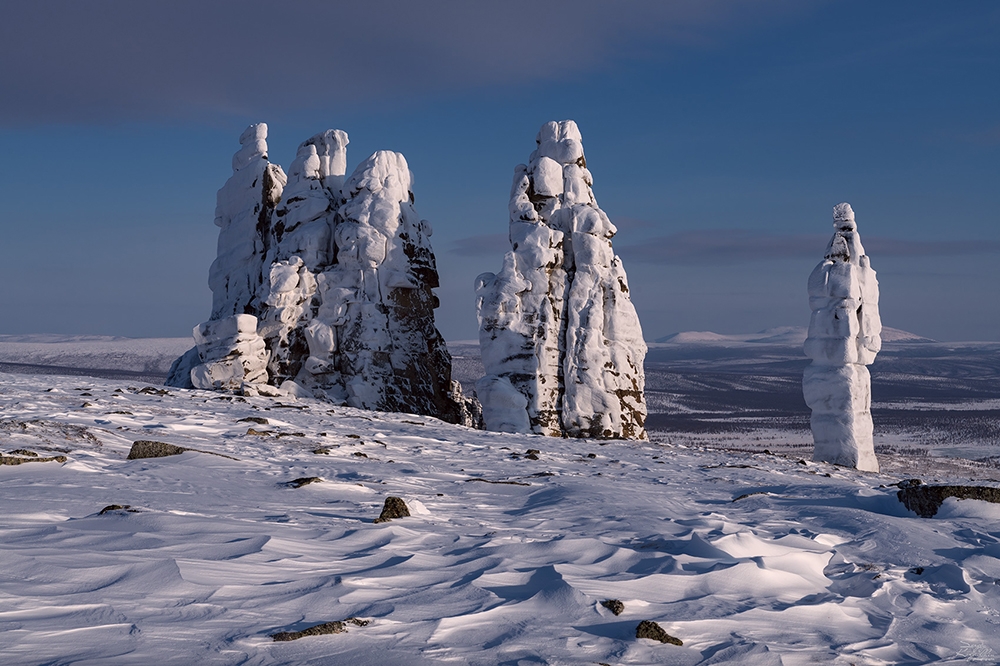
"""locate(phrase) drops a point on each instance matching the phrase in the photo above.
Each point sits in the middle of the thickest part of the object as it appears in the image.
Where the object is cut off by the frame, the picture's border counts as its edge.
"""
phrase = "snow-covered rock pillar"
(243, 214)
(561, 342)
(844, 337)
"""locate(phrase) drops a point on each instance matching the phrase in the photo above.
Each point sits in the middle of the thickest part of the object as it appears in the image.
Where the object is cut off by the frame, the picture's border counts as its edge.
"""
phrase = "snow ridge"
(561, 342)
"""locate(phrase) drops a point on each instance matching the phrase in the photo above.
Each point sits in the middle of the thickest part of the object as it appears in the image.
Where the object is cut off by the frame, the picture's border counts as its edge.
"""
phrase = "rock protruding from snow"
(324, 287)
(844, 337)
(560, 339)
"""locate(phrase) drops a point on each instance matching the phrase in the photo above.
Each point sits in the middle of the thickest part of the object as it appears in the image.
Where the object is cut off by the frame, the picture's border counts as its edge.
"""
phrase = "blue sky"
(720, 135)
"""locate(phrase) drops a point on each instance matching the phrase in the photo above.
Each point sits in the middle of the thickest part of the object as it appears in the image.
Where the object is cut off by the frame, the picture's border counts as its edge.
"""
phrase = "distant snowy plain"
(748, 557)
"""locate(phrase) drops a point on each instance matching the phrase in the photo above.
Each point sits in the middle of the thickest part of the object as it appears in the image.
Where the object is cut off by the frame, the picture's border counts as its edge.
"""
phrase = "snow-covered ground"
(748, 558)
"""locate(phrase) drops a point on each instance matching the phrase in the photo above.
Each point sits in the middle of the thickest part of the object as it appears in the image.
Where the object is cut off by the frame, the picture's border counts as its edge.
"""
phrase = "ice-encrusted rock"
(844, 337)
(232, 354)
(243, 212)
(376, 310)
(331, 288)
(561, 342)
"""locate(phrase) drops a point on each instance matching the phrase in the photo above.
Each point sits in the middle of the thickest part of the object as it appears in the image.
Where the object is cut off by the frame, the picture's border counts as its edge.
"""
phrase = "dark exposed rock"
(304, 481)
(926, 500)
(501, 483)
(650, 629)
(24, 452)
(117, 507)
(614, 605)
(532, 454)
(259, 420)
(394, 507)
(319, 630)
(11, 460)
(150, 449)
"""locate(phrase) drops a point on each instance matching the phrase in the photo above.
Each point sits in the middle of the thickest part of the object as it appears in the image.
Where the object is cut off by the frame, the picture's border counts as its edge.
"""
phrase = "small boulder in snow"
(394, 507)
(149, 449)
(650, 629)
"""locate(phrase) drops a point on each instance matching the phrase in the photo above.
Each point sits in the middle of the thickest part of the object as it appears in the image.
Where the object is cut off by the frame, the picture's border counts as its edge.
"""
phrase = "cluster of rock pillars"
(323, 287)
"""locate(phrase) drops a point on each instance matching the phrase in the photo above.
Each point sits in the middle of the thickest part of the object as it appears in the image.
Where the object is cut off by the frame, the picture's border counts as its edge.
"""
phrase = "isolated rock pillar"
(844, 337)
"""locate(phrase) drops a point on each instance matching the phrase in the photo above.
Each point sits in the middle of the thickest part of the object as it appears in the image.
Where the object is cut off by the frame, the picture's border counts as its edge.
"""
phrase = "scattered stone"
(746, 495)
(149, 390)
(360, 454)
(649, 629)
(259, 420)
(150, 449)
(353, 436)
(532, 454)
(318, 630)
(118, 507)
(502, 483)
(290, 434)
(593, 455)
(323, 451)
(926, 500)
(394, 507)
(303, 481)
(11, 460)
(24, 452)
(259, 433)
(614, 605)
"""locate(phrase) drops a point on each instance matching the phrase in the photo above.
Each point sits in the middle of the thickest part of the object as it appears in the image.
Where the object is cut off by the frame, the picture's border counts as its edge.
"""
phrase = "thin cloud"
(111, 60)
(486, 245)
(735, 246)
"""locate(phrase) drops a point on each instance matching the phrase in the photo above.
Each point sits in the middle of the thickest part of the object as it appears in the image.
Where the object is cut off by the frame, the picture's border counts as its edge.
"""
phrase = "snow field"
(747, 558)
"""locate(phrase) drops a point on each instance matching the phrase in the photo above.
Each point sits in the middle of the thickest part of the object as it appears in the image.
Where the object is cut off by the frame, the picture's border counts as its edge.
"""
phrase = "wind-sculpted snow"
(561, 341)
(746, 558)
(332, 287)
(844, 337)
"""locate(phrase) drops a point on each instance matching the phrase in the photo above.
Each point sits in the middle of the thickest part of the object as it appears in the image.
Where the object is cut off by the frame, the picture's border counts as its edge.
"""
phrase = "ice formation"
(324, 287)
(844, 337)
(560, 339)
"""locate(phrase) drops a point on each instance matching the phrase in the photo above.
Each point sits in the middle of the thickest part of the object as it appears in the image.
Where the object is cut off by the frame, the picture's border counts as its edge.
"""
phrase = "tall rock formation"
(844, 337)
(324, 287)
(560, 339)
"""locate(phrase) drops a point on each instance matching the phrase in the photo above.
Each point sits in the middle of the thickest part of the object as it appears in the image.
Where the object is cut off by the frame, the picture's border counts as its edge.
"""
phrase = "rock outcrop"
(324, 287)
(844, 337)
(560, 339)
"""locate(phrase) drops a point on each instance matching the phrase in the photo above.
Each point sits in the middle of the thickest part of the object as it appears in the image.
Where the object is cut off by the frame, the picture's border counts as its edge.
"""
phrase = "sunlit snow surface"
(807, 568)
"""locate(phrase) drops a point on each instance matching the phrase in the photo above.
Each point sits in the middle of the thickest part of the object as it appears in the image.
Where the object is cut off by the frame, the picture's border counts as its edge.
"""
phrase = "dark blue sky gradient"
(719, 134)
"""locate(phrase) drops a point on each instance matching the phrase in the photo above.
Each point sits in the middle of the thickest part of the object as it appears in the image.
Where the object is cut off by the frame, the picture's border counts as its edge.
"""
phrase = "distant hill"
(781, 335)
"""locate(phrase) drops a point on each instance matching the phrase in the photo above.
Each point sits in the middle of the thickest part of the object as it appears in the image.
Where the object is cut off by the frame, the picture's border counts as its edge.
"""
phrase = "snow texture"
(747, 558)
(561, 342)
(844, 337)
(324, 287)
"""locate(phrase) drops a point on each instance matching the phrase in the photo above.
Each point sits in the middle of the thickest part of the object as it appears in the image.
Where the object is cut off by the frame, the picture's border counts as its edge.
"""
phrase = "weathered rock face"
(844, 337)
(334, 297)
(560, 339)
